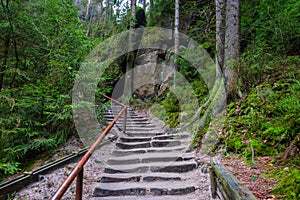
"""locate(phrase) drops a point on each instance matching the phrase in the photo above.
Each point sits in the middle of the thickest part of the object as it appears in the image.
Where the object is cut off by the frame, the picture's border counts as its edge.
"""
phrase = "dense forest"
(43, 44)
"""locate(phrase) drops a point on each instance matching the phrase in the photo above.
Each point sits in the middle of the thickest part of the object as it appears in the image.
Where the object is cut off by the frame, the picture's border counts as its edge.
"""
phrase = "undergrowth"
(267, 123)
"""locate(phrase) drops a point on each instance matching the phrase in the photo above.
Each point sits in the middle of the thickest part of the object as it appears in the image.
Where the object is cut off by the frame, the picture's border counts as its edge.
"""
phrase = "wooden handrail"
(78, 170)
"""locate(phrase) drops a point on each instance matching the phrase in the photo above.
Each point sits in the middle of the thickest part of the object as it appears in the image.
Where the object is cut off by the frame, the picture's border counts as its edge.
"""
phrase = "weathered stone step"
(140, 129)
(133, 125)
(140, 123)
(144, 133)
(121, 152)
(133, 177)
(190, 196)
(151, 157)
(176, 167)
(144, 188)
(161, 137)
(116, 111)
(153, 143)
(130, 117)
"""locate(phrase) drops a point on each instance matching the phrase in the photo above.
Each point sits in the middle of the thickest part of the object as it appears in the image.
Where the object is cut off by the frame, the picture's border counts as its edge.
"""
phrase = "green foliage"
(268, 119)
(272, 24)
(289, 183)
(46, 46)
(168, 110)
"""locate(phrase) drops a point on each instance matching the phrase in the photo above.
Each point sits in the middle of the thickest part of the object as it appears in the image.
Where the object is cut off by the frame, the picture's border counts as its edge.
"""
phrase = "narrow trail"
(151, 163)
(146, 162)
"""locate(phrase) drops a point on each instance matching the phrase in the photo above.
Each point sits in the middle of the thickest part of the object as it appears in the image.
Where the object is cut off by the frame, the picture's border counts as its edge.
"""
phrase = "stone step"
(176, 167)
(162, 137)
(190, 196)
(144, 133)
(153, 143)
(140, 129)
(121, 152)
(133, 177)
(130, 120)
(144, 188)
(138, 125)
(116, 111)
(151, 157)
(129, 117)
(141, 123)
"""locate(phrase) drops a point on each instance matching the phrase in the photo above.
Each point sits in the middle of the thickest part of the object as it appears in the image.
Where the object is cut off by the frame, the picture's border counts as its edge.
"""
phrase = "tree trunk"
(232, 50)
(145, 5)
(4, 67)
(176, 39)
(128, 85)
(100, 10)
(151, 4)
(107, 11)
(87, 14)
(220, 35)
(133, 8)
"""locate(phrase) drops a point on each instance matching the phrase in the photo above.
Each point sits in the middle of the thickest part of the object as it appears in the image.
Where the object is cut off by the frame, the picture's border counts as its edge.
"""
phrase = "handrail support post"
(79, 185)
(125, 121)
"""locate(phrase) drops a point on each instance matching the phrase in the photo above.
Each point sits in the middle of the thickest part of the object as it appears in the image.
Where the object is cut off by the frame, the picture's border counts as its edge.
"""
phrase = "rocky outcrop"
(152, 74)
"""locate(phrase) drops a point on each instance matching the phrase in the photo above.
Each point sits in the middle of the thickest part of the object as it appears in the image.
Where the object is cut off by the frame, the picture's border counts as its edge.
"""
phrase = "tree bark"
(107, 11)
(4, 67)
(87, 10)
(145, 5)
(133, 8)
(128, 85)
(151, 4)
(220, 36)
(232, 48)
(176, 39)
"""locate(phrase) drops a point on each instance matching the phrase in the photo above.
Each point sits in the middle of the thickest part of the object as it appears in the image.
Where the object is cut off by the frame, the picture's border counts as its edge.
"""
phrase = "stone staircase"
(151, 163)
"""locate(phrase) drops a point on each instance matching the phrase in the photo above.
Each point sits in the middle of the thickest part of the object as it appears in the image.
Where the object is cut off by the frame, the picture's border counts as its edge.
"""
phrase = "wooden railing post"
(79, 185)
(213, 183)
(125, 121)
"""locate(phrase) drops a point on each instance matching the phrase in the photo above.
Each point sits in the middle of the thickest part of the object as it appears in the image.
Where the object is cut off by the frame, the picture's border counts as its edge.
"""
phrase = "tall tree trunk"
(232, 50)
(4, 67)
(145, 5)
(220, 35)
(100, 9)
(133, 8)
(14, 40)
(151, 4)
(107, 11)
(87, 14)
(151, 7)
(128, 85)
(176, 39)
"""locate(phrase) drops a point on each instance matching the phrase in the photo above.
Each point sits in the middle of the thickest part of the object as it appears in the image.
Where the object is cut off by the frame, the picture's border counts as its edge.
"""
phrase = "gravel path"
(48, 184)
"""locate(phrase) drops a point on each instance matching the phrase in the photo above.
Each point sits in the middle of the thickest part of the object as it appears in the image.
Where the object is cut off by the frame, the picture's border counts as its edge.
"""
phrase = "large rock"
(152, 75)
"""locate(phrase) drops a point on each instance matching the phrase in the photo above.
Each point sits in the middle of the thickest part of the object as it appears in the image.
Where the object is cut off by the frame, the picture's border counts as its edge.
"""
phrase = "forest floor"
(253, 178)
(50, 182)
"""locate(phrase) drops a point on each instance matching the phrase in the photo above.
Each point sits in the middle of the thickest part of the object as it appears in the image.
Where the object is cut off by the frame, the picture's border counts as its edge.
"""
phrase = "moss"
(289, 184)
(269, 117)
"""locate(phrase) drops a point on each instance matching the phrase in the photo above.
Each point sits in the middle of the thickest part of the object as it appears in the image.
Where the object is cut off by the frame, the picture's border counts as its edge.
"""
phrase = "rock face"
(152, 74)
(91, 11)
(150, 162)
